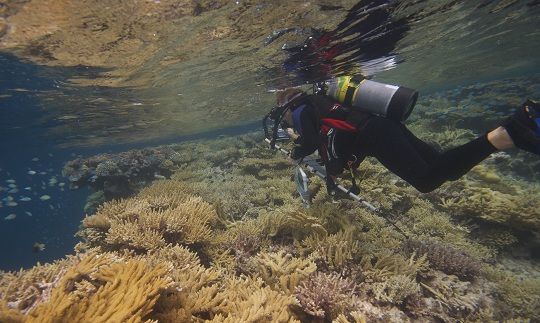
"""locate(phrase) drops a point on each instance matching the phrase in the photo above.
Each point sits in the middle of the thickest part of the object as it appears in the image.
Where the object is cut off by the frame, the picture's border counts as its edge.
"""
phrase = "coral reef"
(119, 175)
(227, 239)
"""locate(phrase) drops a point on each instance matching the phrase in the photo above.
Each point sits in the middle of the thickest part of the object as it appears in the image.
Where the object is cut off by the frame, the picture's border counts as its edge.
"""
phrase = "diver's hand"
(293, 161)
(292, 134)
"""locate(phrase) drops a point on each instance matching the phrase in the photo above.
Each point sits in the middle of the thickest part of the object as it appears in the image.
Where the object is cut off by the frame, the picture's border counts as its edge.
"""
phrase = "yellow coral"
(335, 249)
(249, 301)
(126, 291)
(283, 271)
(152, 222)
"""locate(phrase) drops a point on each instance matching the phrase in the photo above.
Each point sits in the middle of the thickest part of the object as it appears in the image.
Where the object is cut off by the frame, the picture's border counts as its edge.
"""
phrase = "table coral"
(150, 222)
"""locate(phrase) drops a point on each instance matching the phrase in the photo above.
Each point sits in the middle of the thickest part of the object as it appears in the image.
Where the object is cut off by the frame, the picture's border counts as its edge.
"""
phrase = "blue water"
(25, 148)
(55, 221)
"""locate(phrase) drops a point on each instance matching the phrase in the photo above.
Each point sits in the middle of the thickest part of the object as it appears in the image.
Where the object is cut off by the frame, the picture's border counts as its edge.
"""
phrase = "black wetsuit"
(396, 148)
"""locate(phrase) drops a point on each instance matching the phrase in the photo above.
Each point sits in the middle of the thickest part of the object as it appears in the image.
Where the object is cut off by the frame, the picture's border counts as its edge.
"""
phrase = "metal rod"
(308, 162)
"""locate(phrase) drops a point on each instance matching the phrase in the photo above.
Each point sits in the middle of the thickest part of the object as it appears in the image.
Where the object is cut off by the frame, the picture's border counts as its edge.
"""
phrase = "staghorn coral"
(519, 210)
(249, 301)
(124, 291)
(326, 295)
(388, 264)
(454, 299)
(394, 289)
(497, 238)
(356, 317)
(444, 257)
(22, 291)
(232, 249)
(335, 250)
(282, 271)
(424, 220)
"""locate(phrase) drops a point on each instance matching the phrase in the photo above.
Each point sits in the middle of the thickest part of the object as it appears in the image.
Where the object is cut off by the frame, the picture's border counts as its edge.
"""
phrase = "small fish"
(38, 246)
(11, 181)
(25, 199)
(10, 217)
(12, 185)
(11, 203)
(35, 159)
(42, 173)
(28, 213)
(13, 191)
(31, 172)
(61, 184)
(28, 188)
(44, 197)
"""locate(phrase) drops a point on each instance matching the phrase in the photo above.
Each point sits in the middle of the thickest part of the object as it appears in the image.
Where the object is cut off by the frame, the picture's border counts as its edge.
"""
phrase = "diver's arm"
(310, 135)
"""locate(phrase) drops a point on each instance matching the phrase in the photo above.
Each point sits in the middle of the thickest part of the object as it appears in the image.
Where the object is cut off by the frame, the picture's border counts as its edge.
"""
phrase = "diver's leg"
(386, 140)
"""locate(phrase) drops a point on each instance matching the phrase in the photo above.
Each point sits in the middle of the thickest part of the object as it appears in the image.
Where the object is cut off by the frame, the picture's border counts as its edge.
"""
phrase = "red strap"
(339, 124)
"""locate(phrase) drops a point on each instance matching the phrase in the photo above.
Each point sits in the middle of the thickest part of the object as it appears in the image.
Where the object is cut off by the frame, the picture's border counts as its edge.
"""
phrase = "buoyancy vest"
(332, 118)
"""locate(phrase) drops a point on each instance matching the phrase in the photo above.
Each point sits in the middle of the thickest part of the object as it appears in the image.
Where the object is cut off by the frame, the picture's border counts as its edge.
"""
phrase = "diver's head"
(287, 95)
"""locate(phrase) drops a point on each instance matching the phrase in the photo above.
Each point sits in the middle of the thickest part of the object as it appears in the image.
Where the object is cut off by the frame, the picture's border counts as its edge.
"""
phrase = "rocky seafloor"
(214, 231)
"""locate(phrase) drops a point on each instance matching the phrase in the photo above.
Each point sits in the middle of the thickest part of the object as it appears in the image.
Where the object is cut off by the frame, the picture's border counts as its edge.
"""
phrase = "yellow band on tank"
(343, 84)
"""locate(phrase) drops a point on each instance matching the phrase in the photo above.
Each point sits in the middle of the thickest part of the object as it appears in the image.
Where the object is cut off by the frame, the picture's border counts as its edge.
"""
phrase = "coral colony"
(214, 231)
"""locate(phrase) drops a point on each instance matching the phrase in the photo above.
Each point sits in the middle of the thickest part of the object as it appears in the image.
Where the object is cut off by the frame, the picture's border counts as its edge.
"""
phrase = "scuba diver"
(343, 134)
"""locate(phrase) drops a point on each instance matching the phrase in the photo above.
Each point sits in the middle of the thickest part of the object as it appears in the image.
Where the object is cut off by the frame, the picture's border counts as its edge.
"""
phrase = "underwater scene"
(136, 184)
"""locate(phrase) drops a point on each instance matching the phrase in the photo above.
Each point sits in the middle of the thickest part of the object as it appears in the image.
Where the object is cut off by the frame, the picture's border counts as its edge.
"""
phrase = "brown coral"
(444, 257)
(326, 295)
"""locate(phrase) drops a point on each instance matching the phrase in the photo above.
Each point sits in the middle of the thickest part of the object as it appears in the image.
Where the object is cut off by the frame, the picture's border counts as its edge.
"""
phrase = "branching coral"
(102, 288)
(24, 290)
(335, 250)
(326, 295)
(519, 293)
(282, 271)
(394, 289)
(249, 301)
(388, 264)
(198, 294)
(455, 298)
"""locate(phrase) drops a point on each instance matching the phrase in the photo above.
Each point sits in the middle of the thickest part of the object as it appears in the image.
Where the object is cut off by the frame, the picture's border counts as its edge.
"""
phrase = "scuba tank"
(396, 102)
